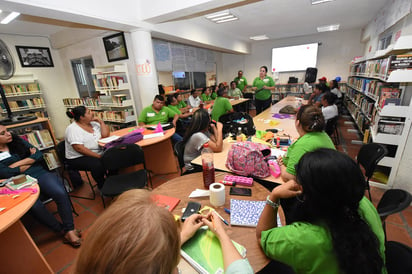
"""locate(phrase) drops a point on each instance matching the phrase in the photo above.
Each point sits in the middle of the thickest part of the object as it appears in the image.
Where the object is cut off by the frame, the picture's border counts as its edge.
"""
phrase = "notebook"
(204, 253)
(245, 212)
(29, 182)
(165, 201)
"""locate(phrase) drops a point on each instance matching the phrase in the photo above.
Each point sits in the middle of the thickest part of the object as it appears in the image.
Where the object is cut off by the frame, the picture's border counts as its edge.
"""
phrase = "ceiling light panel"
(316, 2)
(328, 28)
(259, 37)
(227, 20)
(221, 17)
(10, 17)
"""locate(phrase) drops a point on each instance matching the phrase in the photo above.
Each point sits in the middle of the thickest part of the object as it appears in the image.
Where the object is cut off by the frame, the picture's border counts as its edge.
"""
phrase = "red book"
(165, 201)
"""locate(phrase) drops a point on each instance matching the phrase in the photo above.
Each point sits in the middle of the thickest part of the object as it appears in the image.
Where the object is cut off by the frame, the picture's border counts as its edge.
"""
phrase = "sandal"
(78, 232)
(74, 244)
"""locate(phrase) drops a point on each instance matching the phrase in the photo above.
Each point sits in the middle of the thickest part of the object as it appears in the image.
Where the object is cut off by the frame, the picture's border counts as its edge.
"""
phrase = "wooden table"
(181, 187)
(262, 122)
(19, 252)
(158, 151)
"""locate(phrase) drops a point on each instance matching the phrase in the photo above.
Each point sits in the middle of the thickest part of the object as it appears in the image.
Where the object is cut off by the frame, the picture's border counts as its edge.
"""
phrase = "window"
(189, 80)
(82, 70)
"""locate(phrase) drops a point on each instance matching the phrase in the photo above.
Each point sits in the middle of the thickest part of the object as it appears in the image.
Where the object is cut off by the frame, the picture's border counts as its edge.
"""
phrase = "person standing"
(263, 85)
(241, 81)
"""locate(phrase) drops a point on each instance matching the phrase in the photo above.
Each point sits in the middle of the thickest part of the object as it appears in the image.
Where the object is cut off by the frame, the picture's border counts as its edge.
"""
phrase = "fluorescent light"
(328, 28)
(223, 17)
(315, 2)
(223, 13)
(259, 37)
(227, 20)
(10, 17)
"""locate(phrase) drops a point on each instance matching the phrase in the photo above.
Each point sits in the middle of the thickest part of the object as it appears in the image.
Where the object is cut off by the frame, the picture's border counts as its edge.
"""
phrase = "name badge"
(150, 114)
(4, 155)
(241, 80)
(163, 113)
(265, 80)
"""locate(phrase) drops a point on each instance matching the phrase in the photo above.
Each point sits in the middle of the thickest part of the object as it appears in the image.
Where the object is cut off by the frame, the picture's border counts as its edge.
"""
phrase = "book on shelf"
(388, 92)
(52, 159)
(29, 182)
(167, 202)
(245, 212)
(390, 127)
(400, 62)
(204, 253)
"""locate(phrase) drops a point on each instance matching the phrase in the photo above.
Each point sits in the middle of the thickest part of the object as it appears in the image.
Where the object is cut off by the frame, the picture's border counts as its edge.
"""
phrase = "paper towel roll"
(217, 194)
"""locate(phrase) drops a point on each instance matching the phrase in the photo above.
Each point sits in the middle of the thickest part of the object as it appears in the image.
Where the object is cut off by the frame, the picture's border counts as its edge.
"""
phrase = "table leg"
(160, 158)
(19, 252)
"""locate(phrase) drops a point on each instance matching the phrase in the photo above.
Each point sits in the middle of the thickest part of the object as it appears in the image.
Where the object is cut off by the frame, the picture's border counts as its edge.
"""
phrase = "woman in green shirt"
(338, 229)
(206, 96)
(263, 86)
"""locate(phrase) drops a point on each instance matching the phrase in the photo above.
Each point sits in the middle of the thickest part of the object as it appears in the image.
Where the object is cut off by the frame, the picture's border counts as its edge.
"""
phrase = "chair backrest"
(61, 151)
(331, 125)
(393, 201)
(398, 258)
(122, 156)
(179, 149)
(369, 155)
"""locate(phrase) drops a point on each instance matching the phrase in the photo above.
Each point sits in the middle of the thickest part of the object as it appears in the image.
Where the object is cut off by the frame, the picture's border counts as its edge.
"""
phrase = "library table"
(181, 187)
(262, 122)
(158, 151)
(20, 253)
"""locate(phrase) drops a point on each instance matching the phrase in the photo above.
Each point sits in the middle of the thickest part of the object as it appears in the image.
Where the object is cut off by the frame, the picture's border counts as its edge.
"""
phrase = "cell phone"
(241, 191)
(191, 208)
(274, 130)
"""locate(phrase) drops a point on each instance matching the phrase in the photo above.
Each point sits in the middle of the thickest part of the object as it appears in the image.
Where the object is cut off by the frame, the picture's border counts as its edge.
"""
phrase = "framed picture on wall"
(34, 56)
(115, 46)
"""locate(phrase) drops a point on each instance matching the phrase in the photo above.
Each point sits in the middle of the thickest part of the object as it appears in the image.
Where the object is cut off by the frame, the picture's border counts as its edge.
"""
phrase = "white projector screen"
(294, 58)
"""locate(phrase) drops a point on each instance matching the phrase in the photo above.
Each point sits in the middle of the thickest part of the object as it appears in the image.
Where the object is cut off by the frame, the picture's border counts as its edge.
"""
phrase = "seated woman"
(20, 157)
(181, 104)
(184, 118)
(82, 148)
(316, 97)
(206, 95)
(338, 230)
(149, 241)
(199, 132)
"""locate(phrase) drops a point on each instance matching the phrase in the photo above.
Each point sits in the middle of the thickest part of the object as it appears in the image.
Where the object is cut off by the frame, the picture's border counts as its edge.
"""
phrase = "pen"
(227, 210)
(223, 220)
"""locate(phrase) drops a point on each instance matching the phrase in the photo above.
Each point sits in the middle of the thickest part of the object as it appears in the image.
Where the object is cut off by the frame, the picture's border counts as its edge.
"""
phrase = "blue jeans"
(51, 186)
(176, 138)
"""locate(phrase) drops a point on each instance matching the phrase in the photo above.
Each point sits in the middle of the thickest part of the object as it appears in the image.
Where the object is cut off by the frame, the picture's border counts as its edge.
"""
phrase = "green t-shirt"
(206, 98)
(220, 107)
(175, 109)
(213, 95)
(241, 83)
(263, 94)
(234, 93)
(151, 117)
(307, 248)
(308, 142)
(181, 104)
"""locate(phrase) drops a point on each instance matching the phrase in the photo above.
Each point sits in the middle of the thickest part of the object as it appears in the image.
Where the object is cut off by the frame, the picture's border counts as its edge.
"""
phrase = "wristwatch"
(271, 203)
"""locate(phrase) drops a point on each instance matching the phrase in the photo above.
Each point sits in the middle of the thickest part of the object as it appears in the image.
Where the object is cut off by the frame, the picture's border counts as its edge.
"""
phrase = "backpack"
(248, 159)
(234, 120)
(130, 138)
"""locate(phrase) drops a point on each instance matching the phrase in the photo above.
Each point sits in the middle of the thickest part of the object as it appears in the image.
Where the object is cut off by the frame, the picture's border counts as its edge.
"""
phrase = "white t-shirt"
(193, 147)
(329, 112)
(75, 135)
(337, 92)
(194, 102)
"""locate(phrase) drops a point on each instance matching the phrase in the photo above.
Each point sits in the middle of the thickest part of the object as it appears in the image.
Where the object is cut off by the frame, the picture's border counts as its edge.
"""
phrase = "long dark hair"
(200, 121)
(16, 146)
(76, 112)
(333, 186)
(311, 118)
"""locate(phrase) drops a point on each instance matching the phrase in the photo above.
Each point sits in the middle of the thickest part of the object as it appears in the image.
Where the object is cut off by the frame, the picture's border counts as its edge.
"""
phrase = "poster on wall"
(115, 46)
(34, 56)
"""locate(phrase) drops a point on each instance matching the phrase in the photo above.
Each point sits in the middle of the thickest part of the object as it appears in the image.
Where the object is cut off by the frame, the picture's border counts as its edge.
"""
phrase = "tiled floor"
(61, 256)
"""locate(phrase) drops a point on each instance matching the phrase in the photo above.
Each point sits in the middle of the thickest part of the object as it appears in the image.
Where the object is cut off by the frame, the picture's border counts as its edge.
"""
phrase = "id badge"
(4, 155)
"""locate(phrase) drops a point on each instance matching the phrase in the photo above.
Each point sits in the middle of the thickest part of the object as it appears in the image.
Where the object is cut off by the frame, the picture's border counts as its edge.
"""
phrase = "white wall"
(53, 80)
(334, 55)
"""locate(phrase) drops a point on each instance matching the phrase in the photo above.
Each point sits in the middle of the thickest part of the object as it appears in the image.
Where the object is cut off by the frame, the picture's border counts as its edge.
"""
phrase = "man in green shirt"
(221, 105)
(158, 113)
(241, 81)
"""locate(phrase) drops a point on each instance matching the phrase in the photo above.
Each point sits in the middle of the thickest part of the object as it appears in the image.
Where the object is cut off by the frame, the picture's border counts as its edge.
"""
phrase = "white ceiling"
(275, 18)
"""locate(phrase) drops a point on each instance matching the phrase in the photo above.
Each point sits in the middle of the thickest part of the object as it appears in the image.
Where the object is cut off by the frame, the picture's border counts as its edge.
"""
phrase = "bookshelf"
(114, 103)
(24, 96)
(378, 98)
(40, 134)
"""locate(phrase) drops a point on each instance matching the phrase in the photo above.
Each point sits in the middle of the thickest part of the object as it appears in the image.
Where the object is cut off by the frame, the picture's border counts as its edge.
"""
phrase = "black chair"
(61, 153)
(179, 149)
(368, 157)
(125, 169)
(331, 129)
(398, 258)
(393, 201)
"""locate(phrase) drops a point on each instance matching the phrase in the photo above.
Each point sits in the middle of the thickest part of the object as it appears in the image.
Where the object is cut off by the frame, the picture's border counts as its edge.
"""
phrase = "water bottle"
(239, 137)
(208, 168)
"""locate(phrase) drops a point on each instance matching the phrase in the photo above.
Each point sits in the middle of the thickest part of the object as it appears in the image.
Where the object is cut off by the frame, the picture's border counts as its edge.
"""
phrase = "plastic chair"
(61, 153)
(125, 169)
(393, 201)
(331, 129)
(398, 258)
(368, 157)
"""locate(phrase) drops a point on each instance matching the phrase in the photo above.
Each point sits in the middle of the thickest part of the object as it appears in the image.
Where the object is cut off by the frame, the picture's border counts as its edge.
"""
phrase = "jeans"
(261, 105)
(52, 186)
(176, 138)
(92, 164)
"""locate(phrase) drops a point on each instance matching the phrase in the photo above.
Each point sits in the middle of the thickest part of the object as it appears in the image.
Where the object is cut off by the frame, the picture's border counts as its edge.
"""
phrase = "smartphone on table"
(241, 191)
(191, 208)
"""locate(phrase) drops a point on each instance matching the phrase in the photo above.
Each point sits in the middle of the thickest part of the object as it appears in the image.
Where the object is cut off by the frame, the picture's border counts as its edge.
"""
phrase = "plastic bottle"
(208, 167)
(239, 135)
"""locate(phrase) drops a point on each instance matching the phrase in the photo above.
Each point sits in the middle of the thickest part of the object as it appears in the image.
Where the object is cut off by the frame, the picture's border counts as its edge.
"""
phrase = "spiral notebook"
(245, 212)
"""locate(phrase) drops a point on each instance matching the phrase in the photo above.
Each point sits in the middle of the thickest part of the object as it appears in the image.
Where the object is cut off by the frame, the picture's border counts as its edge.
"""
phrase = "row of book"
(381, 67)
(108, 82)
(39, 138)
(52, 159)
(123, 116)
(21, 89)
(25, 104)
(363, 102)
(113, 100)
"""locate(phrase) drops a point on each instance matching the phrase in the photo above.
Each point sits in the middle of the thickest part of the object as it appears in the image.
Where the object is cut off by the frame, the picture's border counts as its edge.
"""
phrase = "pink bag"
(248, 159)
